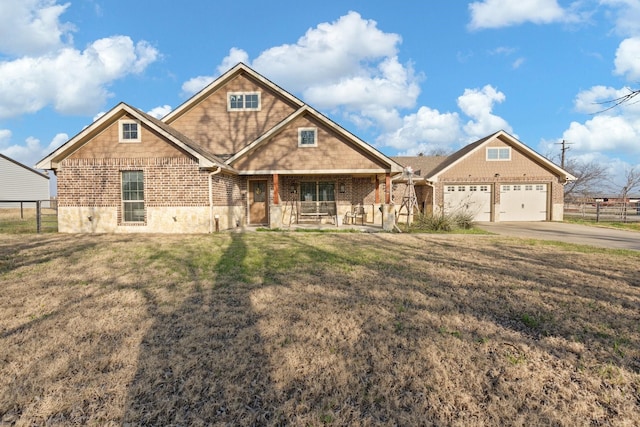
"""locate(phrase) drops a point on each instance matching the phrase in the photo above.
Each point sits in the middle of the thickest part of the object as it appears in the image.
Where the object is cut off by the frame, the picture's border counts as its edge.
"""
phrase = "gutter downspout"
(211, 174)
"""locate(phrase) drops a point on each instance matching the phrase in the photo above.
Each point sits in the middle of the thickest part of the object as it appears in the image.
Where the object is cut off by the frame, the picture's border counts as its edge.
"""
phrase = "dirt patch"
(312, 329)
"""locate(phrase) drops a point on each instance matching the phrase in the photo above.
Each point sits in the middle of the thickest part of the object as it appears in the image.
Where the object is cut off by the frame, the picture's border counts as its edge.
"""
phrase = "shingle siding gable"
(223, 132)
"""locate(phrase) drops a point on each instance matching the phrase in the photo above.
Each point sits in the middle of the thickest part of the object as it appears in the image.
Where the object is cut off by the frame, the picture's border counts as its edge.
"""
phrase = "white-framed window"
(516, 188)
(132, 196)
(528, 187)
(498, 153)
(307, 137)
(451, 188)
(473, 188)
(506, 188)
(243, 101)
(461, 188)
(129, 131)
(539, 187)
(484, 188)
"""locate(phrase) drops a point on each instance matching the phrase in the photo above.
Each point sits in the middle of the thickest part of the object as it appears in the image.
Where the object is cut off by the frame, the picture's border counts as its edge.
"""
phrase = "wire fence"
(604, 211)
(28, 216)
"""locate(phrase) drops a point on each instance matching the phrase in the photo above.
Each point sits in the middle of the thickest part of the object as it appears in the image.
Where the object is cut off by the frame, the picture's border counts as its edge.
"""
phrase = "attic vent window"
(307, 137)
(129, 131)
(498, 153)
(243, 101)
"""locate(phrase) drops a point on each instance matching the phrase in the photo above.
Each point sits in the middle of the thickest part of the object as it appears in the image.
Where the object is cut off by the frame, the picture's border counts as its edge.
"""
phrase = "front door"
(258, 202)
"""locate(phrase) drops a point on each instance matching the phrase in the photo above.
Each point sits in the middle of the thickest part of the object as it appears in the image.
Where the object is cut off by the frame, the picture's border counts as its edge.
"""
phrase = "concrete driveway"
(564, 232)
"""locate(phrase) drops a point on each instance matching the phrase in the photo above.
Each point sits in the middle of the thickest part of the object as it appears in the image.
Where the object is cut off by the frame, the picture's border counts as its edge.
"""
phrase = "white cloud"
(627, 16)
(627, 62)
(423, 131)
(32, 27)
(518, 63)
(74, 82)
(613, 127)
(44, 68)
(604, 133)
(504, 13)
(478, 105)
(359, 92)
(348, 67)
(195, 85)
(31, 150)
(235, 56)
(160, 111)
(331, 52)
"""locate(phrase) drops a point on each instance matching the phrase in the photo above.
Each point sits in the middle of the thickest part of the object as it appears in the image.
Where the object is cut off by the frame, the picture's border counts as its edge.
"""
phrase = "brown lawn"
(316, 329)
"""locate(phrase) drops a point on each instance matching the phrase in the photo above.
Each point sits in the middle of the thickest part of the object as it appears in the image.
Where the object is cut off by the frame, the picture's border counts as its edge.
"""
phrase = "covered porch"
(336, 200)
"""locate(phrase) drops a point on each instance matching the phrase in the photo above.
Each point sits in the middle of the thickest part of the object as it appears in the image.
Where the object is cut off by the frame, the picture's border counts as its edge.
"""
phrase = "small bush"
(442, 221)
(463, 220)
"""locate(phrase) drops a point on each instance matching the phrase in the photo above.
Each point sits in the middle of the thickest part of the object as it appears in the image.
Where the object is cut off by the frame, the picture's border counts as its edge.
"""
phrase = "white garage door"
(523, 202)
(474, 198)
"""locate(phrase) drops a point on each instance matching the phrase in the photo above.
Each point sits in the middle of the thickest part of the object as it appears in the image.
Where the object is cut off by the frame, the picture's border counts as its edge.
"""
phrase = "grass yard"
(13, 221)
(316, 329)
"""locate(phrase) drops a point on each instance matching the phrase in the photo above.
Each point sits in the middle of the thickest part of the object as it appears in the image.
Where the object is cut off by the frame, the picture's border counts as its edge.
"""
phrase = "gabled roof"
(459, 155)
(394, 167)
(421, 165)
(205, 159)
(221, 81)
(24, 166)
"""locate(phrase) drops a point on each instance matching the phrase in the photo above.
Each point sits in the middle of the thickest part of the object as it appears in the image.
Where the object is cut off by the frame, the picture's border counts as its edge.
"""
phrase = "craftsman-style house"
(240, 152)
(245, 152)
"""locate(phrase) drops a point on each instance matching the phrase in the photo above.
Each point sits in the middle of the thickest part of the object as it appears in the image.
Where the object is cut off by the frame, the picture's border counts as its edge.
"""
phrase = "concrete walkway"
(565, 232)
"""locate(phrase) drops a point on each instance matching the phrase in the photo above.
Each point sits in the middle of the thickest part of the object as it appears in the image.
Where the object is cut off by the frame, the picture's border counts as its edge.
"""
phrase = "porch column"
(387, 188)
(276, 198)
(275, 209)
(388, 210)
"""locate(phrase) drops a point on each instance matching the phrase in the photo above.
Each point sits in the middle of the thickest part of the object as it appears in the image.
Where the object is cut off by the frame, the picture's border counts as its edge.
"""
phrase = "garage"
(523, 202)
(472, 198)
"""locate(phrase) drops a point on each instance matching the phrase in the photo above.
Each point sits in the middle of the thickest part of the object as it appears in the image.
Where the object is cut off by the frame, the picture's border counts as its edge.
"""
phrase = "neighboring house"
(496, 178)
(21, 183)
(241, 152)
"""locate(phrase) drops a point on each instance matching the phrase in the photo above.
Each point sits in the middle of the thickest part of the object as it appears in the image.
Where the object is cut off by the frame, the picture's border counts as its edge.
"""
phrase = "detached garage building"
(497, 178)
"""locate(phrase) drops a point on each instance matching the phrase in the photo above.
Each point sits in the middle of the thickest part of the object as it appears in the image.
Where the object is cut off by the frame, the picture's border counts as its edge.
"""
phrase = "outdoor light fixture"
(292, 188)
(343, 187)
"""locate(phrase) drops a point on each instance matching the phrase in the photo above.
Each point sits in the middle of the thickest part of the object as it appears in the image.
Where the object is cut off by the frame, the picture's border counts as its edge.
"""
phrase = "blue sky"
(407, 76)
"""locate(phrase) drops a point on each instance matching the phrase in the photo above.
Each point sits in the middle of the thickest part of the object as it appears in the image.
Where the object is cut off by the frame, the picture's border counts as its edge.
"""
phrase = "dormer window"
(129, 131)
(243, 101)
(498, 153)
(307, 137)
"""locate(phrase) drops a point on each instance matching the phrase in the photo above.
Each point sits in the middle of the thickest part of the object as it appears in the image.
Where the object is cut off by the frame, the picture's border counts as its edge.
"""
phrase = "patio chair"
(356, 212)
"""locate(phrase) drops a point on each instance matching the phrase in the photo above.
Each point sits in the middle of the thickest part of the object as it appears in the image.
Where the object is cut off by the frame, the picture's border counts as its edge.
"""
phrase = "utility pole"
(564, 148)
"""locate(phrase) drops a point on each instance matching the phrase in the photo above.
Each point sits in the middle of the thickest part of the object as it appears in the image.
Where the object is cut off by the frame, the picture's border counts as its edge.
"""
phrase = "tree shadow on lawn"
(365, 335)
(203, 362)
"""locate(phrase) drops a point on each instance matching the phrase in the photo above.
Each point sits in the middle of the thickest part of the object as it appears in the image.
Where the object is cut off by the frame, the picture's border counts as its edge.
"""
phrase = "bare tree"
(590, 178)
(631, 184)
